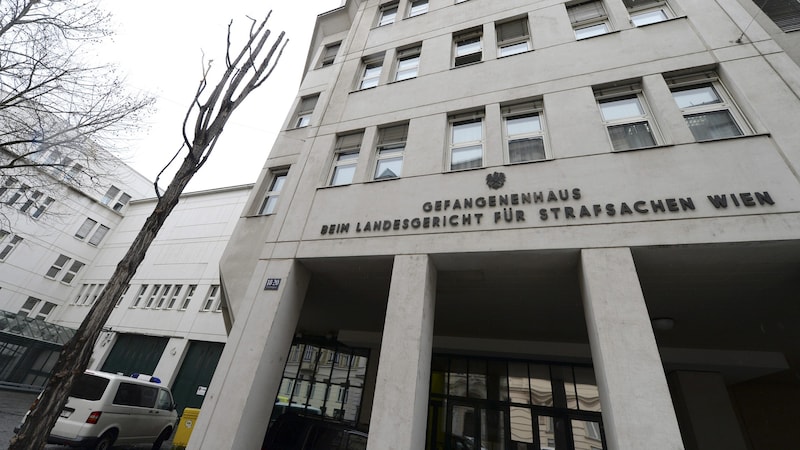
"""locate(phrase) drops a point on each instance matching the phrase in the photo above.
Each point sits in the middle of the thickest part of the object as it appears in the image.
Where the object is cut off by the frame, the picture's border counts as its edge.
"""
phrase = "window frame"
(277, 181)
(371, 69)
(151, 299)
(162, 299)
(329, 54)
(579, 24)
(344, 148)
(390, 148)
(10, 247)
(633, 91)
(412, 53)
(72, 272)
(387, 14)
(411, 6)
(85, 229)
(514, 41)
(57, 266)
(98, 235)
(465, 38)
(648, 7)
(453, 146)
(139, 296)
(187, 299)
(211, 298)
(42, 208)
(522, 110)
(785, 15)
(173, 300)
(725, 103)
(305, 110)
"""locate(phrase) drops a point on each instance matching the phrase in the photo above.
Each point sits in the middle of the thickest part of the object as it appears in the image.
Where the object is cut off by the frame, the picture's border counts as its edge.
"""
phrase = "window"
(388, 13)
(785, 13)
(345, 158)
(372, 72)
(174, 298)
(466, 141)
(16, 196)
(391, 146)
(645, 12)
(153, 295)
(73, 270)
(97, 293)
(467, 47)
(418, 7)
(98, 235)
(139, 296)
(111, 194)
(47, 308)
(512, 37)
(163, 298)
(123, 200)
(588, 19)
(9, 181)
(30, 201)
(707, 107)
(271, 198)
(304, 111)
(61, 261)
(408, 63)
(10, 246)
(84, 230)
(189, 294)
(626, 118)
(74, 172)
(41, 208)
(213, 291)
(524, 133)
(82, 291)
(28, 306)
(121, 296)
(329, 54)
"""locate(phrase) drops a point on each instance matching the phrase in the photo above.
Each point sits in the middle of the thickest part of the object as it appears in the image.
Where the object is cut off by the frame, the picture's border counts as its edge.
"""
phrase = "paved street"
(13, 406)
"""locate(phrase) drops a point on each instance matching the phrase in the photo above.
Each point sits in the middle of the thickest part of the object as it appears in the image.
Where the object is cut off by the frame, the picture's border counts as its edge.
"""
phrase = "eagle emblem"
(496, 180)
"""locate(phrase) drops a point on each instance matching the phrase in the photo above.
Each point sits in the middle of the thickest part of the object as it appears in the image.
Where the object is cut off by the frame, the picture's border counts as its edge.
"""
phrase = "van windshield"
(89, 387)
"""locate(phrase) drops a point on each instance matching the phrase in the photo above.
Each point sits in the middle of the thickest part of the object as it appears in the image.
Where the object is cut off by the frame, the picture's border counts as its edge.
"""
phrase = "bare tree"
(59, 112)
(244, 71)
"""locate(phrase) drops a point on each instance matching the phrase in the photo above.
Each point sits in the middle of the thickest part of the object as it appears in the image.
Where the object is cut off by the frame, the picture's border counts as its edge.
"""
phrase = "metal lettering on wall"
(544, 206)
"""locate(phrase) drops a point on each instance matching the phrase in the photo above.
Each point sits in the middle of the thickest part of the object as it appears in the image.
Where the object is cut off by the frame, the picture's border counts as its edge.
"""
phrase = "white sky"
(158, 46)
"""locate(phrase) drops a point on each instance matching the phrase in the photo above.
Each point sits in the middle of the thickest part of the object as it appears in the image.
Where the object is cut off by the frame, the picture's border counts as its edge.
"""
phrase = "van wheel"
(161, 438)
(105, 442)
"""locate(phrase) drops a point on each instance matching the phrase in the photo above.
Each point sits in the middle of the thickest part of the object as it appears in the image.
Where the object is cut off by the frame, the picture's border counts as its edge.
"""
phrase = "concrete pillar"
(637, 408)
(400, 405)
(236, 410)
(705, 411)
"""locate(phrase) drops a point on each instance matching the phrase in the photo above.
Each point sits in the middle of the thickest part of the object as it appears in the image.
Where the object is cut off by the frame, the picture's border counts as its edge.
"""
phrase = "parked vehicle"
(301, 432)
(105, 409)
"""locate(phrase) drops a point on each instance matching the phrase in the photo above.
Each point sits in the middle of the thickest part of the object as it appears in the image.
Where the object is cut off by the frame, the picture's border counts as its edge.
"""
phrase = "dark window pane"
(713, 125)
(631, 135)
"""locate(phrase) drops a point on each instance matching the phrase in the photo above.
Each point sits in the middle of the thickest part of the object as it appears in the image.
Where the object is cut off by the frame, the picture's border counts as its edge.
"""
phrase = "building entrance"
(488, 404)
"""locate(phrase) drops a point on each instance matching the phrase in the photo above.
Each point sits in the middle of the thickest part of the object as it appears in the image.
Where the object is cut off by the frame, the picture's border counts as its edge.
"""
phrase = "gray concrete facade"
(626, 203)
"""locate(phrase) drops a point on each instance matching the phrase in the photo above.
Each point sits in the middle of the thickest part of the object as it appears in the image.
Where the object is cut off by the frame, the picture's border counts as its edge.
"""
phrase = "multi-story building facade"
(539, 224)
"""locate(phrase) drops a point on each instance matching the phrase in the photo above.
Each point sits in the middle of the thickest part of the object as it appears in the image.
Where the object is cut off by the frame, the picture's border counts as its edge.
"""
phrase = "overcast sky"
(158, 46)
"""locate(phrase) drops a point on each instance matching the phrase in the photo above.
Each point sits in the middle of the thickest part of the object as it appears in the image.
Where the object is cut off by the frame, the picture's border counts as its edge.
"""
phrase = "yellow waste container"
(185, 427)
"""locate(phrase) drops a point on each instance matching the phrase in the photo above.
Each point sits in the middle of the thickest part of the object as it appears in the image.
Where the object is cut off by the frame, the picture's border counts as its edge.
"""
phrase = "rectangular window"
(391, 146)
(121, 202)
(9, 181)
(707, 107)
(111, 194)
(139, 296)
(74, 172)
(524, 132)
(189, 294)
(417, 8)
(41, 208)
(28, 306)
(153, 294)
(785, 13)
(163, 298)
(329, 54)
(213, 291)
(98, 235)
(588, 19)
(387, 14)
(408, 63)
(372, 72)
(61, 261)
(10, 246)
(97, 293)
(86, 295)
(47, 308)
(32, 199)
(174, 298)
(121, 296)
(467, 47)
(85, 228)
(73, 270)
(16, 195)
(645, 12)
(512, 37)
(304, 111)
(626, 118)
(345, 158)
(80, 293)
(271, 198)
(466, 141)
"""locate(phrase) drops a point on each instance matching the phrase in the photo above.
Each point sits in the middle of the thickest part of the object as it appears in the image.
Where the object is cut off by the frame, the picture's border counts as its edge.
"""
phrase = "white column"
(236, 410)
(400, 405)
(637, 408)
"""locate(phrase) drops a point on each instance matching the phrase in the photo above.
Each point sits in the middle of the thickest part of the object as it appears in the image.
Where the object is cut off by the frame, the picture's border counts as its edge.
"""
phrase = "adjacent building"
(526, 224)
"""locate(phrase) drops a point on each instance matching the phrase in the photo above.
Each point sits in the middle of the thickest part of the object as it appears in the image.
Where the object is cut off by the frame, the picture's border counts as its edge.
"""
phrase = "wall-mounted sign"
(272, 284)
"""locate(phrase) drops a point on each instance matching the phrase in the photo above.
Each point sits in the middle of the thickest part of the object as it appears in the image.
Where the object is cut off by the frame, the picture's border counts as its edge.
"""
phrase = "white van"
(105, 409)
